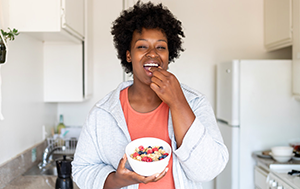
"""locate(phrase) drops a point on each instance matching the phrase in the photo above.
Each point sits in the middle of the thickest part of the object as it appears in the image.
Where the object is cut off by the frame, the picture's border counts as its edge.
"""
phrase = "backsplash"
(20, 164)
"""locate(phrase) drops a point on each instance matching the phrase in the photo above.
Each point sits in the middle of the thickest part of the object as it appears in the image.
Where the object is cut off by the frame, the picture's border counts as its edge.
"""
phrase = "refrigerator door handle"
(222, 121)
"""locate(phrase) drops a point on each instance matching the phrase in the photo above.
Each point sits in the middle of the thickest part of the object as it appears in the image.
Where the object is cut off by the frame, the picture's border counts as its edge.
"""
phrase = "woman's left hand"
(166, 86)
(168, 89)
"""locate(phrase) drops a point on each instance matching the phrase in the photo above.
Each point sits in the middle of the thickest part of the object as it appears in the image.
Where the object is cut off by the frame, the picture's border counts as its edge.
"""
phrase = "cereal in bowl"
(149, 154)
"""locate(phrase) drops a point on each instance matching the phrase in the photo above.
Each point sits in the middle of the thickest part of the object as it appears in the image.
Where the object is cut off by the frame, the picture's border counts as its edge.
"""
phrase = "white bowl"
(281, 158)
(147, 168)
(282, 150)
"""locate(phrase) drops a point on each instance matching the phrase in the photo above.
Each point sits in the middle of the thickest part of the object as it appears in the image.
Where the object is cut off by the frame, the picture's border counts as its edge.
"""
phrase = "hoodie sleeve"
(88, 169)
(202, 154)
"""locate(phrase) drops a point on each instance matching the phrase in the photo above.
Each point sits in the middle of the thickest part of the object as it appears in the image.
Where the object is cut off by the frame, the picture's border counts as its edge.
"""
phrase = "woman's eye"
(161, 47)
(141, 47)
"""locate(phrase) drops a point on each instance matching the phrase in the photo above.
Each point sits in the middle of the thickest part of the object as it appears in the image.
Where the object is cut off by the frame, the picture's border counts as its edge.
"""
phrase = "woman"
(154, 104)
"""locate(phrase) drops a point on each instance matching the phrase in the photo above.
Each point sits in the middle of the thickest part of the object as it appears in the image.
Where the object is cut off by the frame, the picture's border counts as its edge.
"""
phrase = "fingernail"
(124, 156)
(150, 69)
(157, 175)
(167, 169)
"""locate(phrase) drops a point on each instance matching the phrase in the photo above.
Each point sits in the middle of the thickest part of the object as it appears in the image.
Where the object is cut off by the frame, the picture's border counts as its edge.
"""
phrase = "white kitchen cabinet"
(68, 70)
(277, 24)
(296, 48)
(66, 77)
(48, 20)
(260, 177)
(62, 27)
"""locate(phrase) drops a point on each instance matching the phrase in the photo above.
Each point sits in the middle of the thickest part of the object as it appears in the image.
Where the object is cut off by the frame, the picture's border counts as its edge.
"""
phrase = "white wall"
(22, 98)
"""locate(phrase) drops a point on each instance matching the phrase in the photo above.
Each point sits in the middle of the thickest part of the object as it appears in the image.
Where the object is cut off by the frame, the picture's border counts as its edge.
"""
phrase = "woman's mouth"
(147, 66)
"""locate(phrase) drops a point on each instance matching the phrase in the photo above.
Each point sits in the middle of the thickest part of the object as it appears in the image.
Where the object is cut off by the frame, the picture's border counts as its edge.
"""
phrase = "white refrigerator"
(255, 111)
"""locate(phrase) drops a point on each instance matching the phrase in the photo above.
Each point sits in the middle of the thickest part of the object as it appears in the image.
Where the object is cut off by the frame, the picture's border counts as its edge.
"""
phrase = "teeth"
(151, 65)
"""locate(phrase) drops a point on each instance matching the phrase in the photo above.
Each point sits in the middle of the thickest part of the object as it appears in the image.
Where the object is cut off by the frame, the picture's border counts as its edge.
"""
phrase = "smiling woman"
(146, 16)
(147, 38)
(148, 49)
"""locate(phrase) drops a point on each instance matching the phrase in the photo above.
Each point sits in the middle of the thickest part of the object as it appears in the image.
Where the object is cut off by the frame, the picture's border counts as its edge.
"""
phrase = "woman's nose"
(152, 53)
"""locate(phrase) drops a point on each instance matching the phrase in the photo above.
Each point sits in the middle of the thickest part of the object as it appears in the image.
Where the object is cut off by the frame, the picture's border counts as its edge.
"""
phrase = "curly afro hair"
(149, 16)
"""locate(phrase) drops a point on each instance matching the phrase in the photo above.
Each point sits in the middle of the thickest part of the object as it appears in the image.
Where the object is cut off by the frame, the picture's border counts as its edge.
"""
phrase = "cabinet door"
(278, 23)
(34, 15)
(260, 178)
(48, 20)
(63, 72)
(73, 16)
(296, 48)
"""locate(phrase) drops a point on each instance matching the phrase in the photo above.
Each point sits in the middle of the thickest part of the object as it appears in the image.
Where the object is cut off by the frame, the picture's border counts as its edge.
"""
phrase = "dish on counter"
(282, 150)
(263, 154)
(282, 158)
(296, 158)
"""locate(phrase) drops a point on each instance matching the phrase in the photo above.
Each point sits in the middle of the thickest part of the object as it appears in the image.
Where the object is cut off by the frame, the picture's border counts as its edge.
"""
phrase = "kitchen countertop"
(34, 182)
(266, 162)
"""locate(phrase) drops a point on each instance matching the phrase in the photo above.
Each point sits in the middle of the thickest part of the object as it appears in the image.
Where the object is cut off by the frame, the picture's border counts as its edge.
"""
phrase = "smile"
(151, 65)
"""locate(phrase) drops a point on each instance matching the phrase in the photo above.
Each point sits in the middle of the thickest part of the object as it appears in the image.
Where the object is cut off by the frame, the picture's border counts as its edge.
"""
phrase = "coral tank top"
(151, 124)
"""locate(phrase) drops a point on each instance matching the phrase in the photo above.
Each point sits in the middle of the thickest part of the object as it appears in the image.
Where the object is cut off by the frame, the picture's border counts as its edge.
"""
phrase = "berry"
(149, 146)
(141, 148)
(154, 149)
(149, 151)
(135, 154)
(166, 154)
(161, 147)
(149, 159)
(140, 152)
(144, 158)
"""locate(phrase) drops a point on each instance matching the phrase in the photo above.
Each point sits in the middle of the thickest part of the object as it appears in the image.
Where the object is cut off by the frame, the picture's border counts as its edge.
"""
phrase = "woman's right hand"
(124, 177)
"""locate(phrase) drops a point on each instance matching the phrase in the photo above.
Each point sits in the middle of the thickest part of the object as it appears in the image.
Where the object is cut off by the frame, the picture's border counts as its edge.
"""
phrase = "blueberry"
(161, 157)
(140, 152)
(149, 146)
(161, 147)
(164, 156)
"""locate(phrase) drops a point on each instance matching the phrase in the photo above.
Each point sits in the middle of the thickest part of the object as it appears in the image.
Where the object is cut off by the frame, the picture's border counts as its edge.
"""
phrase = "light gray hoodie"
(200, 158)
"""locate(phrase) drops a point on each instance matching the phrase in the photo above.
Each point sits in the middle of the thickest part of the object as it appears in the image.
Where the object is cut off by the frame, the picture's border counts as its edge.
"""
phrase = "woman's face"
(148, 49)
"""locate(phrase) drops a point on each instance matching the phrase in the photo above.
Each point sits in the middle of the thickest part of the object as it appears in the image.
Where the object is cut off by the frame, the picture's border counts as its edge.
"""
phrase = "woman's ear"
(128, 57)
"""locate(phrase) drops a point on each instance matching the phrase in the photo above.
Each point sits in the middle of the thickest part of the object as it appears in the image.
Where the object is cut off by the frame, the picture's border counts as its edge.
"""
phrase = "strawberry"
(144, 158)
(149, 159)
(149, 151)
(135, 154)
(141, 148)
(154, 149)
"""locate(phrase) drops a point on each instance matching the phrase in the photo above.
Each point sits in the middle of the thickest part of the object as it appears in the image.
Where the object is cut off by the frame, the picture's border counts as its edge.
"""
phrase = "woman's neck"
(142, 98)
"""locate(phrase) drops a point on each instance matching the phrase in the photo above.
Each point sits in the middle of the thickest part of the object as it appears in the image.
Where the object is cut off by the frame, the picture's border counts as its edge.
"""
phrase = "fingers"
(159, 76)
(148, 179)
(127, 177)
(161, 175)
(157, 71)
(153, 178)
(122, 162)
(157, 81)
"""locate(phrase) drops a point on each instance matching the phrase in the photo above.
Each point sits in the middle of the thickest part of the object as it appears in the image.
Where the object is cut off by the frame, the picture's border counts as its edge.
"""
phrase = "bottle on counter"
(61, 124)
